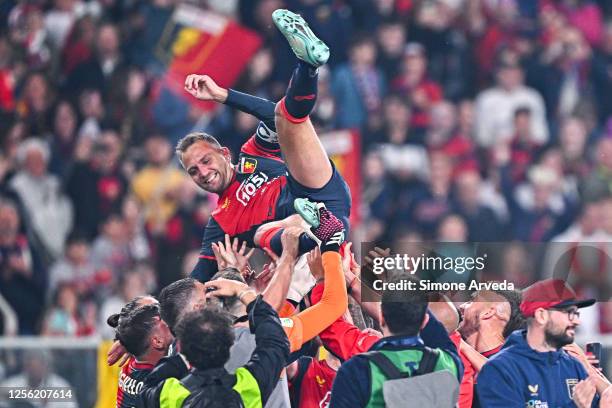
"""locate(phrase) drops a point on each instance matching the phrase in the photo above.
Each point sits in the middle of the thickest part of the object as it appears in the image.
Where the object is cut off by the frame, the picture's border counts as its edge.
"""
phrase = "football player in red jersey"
(282, 162)
(147, 338)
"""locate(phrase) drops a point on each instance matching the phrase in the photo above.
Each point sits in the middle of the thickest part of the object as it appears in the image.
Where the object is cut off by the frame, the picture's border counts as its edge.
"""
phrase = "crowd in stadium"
(479, 120)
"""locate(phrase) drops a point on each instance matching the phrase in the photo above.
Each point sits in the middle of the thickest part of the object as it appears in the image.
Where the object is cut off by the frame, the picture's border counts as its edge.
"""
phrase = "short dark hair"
(206, 337)
(184, 143)
(405, 310)
(113, 320)
(134, 330)
(229, 304)
(516, 320)
(522, 110)
(174, 298)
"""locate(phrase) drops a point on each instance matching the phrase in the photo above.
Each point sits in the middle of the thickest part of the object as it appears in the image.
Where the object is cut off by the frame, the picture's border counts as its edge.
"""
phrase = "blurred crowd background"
(480, 120)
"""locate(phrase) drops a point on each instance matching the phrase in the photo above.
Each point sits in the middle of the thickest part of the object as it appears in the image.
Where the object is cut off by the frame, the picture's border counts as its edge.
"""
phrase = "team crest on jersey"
(571, 383)
(247, 165)
(533, 389)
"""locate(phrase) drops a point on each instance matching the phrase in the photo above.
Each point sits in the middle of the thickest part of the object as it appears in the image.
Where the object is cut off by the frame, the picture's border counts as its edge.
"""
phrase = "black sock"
(306, 244)
(302, 91)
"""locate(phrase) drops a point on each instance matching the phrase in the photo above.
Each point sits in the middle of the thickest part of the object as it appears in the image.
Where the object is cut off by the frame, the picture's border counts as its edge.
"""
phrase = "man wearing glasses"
(532, 370)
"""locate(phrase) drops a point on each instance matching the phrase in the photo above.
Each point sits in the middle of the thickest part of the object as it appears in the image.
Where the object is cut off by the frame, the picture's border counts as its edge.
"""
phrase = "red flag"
(344, 148)
(207, 43)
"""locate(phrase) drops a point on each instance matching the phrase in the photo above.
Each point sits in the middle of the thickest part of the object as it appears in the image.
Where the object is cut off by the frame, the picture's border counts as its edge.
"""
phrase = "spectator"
(63, 138)
(522, 373)
(396, 128)
(96, 184)
(358, 86)
(376, 196)
(27, 31)
(433, 202)
(129, 109)
(131, 285)
(482, 222)
(523, 145)
(391, 38)
(101, 71)
(60, 19)
(564, 80)
(23, 279)
(93, 112)
(111, 249)
(74, 268)
(538, 207)
(155, 185)
(404, 322)
(597, 183)
(79, 44)
(414, 84)
(443, 136)
(48, 209)
(135, 232)
(38, 375)
(602, 76)
(63, 318)
(584, 15)
(496, 106)
(35, 102)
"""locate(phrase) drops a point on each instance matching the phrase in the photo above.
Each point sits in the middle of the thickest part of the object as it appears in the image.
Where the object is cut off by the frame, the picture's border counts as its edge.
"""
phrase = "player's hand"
(350, 267)
(228, 255)
(588, 360)
(203, 87)
(224, 287)
(605, 399)
(584, 392)
(291, 240)
(117, 353)
(261, 281)
(315, 264)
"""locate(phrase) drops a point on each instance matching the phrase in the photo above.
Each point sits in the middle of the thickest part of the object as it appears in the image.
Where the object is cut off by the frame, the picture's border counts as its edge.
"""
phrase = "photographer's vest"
(215, 386)
(406, 362)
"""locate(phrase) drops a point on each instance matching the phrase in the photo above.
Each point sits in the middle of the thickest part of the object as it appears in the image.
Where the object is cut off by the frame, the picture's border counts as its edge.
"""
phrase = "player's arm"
(276, 291)
(206, 267)
(334, 299)
(204, 88)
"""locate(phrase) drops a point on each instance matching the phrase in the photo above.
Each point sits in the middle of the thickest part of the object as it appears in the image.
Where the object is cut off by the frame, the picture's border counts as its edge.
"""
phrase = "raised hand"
(228, 255)
(204, 88)
(291, 240)
(315, 263)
